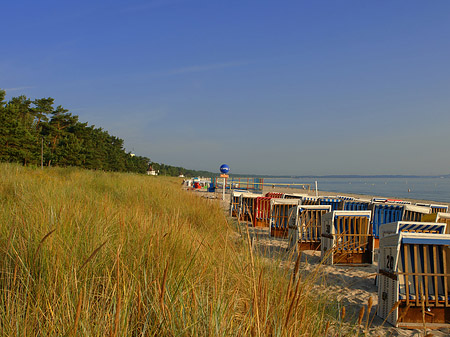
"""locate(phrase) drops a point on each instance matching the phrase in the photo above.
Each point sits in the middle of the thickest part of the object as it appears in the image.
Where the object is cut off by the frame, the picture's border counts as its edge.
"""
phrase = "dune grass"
(86, 253)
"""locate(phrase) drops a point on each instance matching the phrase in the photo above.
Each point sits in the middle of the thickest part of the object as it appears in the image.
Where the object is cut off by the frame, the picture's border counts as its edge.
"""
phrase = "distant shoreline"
(344, 176)
(269, 188)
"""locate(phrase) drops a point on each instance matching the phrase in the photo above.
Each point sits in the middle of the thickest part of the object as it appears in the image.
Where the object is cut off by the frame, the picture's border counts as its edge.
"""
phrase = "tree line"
(34, 132)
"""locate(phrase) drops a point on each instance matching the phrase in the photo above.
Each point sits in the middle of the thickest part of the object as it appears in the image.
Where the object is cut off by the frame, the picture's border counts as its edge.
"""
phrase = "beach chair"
(414, 280)
(345, 197)
(383, 213)
(414, 213)
(247, 201)
(261, 212)
(235, 203)
(411, 227)
(435, 208)
(439, 218)
(444, 218)
(274, 195)
(398, 201)
(333, 202)
(305, 228)
(354, 205)
(282, 211)
(307, 200)
(346, 238)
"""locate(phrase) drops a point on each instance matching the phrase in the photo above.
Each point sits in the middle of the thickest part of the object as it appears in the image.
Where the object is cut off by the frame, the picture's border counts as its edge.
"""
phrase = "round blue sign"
(224, 169)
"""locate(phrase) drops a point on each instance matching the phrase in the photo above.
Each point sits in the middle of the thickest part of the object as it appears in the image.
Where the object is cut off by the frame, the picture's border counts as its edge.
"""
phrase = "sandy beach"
(352, 286)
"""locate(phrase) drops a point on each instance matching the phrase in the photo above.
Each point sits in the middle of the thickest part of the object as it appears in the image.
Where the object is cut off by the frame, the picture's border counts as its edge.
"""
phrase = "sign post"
(224, 169)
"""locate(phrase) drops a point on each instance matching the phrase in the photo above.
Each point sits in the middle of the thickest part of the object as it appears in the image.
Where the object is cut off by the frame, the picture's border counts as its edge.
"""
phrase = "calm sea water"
(433, 189)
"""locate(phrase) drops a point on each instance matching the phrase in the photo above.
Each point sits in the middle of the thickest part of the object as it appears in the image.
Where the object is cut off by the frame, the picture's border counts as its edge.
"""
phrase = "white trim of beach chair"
(305, 228)
(282, 211)
(346, 238)
(414, 276)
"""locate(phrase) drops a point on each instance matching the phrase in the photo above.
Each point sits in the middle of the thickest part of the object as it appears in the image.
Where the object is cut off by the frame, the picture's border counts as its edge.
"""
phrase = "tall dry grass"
(85, 253)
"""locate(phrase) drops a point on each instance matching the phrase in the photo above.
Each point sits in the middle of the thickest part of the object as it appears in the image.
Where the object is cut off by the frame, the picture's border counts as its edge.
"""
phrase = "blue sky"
(268, 87)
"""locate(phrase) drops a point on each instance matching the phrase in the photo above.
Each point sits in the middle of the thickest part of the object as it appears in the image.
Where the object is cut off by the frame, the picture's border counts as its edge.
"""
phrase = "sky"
(267, 87)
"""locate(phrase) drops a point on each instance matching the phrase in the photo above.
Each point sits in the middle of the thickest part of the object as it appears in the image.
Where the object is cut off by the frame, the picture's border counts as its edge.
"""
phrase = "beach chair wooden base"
(279, 233)
(313, 245)
(352, 258)
(261, 223)
(234, 214)
(376, 243)
(420, 325)
(412, 317)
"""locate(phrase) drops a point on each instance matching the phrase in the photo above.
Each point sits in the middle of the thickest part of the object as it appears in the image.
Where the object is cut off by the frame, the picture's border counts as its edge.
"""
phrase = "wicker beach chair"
(305, 228)
(414, 286)
(346, 238)
(282, 211)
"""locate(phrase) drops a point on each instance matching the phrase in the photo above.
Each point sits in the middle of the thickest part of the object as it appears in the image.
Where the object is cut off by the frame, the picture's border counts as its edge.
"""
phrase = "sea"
(420, 188)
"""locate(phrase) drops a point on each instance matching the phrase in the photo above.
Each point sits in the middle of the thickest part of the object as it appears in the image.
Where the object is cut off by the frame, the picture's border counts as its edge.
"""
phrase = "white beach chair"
(247, 205)
(411, 227)
(346, 238)
(305, 228)
(282, 211)
(414, 280)
(435, 208)
(235, 203)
